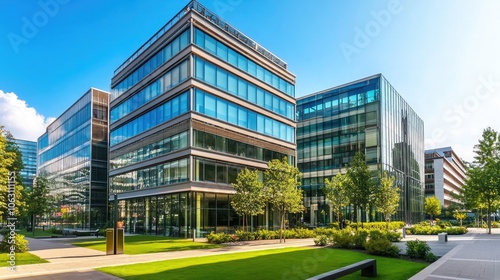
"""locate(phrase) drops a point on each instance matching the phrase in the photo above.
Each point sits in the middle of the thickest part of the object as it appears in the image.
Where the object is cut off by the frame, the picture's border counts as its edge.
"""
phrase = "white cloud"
(21, 120)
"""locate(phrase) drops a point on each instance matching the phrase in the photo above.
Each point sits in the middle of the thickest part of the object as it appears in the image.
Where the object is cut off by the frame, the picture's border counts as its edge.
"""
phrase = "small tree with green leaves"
(386, 197)
(335, 192)
(360, 187)
(460, 216)
(38, 199)
(282, 189)
(432, 206)
(248, 199)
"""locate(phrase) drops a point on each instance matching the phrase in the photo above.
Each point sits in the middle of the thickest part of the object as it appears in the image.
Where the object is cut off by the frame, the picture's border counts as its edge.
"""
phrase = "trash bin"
(442, 237)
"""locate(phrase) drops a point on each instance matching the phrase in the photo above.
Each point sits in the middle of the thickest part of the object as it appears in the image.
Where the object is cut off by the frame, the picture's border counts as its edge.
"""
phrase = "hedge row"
(428, 230)
(262, 234)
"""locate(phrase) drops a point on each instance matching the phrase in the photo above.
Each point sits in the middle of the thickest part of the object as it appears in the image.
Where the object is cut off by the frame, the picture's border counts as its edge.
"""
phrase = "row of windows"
(228, 82)
(80, 117)
(221, 109)
(166, 111)
(76, 139)
(179, 43)
(156, 149)
(330, 145)
(164, 174)
(338, 160)
(353, 122)
(217, 143)
(232, 57)
(176, 75)
(217, 172)
(334, 104)
(79, 157)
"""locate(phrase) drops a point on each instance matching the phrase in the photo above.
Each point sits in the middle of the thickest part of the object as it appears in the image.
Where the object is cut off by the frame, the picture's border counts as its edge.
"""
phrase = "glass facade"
(72, 154)
(179, 138)
(226, 111)
(28, 151)
(368, 116)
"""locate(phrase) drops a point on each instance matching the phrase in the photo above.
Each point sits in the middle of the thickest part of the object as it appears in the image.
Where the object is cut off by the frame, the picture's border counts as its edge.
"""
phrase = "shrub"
(495, 224)
(428, 230)
(324, 231)
(321, 240)
(21, 244)
(264, 234)
(417, 249)
(378, 225)
(393, 236)
(334, 225)
(430, 257)
(382, 247)
(218, 238)
(359, 239)
(343, 239)
(244, 235)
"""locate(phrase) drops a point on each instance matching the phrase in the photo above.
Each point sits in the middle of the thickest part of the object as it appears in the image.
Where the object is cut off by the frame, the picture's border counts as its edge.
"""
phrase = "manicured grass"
(143, 244)
(38, 232)
(289, 263)
(21, 258)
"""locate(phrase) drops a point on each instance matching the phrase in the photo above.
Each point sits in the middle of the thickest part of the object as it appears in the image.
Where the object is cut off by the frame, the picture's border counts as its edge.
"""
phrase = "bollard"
(194, 234)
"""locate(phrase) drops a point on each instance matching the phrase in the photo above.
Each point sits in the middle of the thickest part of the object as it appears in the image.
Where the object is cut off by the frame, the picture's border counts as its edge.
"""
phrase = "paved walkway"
(475, 255)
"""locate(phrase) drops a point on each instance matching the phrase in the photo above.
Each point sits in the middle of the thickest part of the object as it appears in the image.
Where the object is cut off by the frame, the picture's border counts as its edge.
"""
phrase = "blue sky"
(442, 56)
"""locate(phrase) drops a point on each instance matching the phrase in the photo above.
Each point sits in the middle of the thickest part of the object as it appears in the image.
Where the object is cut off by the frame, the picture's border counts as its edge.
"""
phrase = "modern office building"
(366, 115)
(197, 103)
(28, 151)
(444, 173)
(72, 155)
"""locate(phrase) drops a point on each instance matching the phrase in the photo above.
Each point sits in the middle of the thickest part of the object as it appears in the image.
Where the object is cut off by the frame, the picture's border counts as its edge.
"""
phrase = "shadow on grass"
(290, 263)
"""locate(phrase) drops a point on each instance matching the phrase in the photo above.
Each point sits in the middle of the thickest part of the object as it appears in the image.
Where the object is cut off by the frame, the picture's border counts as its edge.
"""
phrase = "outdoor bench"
(368, 268)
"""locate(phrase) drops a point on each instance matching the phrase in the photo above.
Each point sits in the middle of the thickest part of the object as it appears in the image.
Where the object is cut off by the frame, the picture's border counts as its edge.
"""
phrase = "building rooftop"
(217, 21)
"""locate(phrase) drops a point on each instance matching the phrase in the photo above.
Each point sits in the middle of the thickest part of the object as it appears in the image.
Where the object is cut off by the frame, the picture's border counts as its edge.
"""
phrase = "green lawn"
(143, 244)
(38, 232)
(21, 258)
(289, 263)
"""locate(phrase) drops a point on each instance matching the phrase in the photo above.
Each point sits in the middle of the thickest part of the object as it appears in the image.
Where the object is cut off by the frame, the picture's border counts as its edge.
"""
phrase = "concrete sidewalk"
(474, 258)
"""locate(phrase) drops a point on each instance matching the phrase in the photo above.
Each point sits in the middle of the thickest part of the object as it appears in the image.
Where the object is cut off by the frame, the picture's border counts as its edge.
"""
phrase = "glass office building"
(367, 115)
(197, 103)
(28, 151)
(72, 155)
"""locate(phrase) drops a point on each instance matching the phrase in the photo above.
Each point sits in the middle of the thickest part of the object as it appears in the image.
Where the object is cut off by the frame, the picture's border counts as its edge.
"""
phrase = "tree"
(335, 192)
(38, 200)
(386, 197)
(360, 186)
(432, 206)
(10, 161)
(483, 181)
(248, 199)
(281, 187)
(460, 216)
